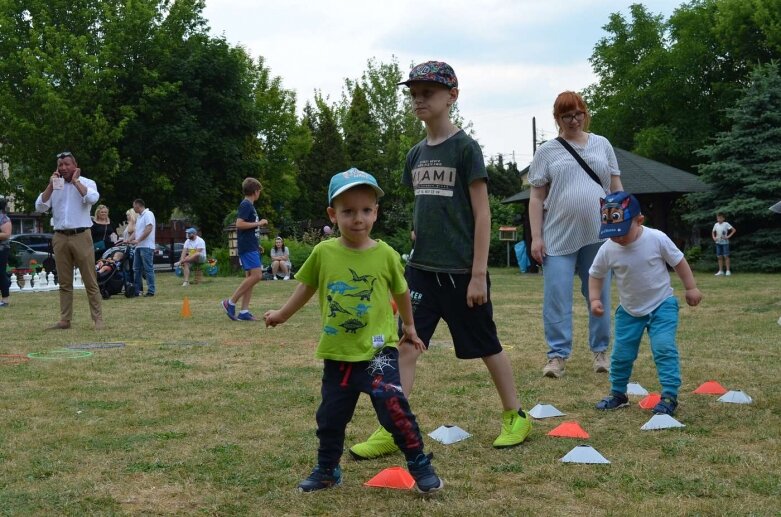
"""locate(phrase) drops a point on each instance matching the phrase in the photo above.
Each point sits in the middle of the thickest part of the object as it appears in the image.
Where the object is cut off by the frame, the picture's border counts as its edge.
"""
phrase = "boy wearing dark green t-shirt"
(356, 276)
(448, 271)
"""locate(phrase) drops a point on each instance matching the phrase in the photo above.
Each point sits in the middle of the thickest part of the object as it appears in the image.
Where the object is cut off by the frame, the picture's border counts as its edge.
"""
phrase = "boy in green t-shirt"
(448, 271)
(355, 277)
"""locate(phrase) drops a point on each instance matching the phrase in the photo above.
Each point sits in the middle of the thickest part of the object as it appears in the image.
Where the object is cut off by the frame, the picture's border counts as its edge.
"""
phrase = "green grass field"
(225, 425)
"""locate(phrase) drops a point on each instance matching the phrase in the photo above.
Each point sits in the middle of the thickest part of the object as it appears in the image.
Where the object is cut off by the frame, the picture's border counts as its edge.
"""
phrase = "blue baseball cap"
(618, 210)
(191, 230)
(344, 181)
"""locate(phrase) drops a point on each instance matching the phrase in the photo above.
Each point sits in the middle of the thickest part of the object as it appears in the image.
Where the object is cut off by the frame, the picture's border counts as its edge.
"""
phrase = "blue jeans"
(559, 272)
(662, 325)
(142, 261)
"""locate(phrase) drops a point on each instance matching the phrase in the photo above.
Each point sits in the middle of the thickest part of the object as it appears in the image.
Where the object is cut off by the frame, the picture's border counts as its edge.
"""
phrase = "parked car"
(37, 241)
(162, 257)
(21, 256)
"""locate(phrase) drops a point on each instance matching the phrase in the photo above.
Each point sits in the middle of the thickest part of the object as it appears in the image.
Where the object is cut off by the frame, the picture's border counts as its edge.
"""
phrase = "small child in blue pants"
(638, 257)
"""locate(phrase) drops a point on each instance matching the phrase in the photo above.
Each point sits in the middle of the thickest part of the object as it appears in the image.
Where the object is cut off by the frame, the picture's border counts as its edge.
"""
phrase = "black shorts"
(438, 296)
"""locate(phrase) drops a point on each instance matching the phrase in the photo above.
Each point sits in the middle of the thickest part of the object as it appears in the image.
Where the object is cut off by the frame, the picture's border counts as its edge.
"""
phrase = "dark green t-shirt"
(444, 223)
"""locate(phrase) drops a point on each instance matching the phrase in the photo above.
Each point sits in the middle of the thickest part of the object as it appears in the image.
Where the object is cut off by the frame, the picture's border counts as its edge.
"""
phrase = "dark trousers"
(5, 282)
(342, 385)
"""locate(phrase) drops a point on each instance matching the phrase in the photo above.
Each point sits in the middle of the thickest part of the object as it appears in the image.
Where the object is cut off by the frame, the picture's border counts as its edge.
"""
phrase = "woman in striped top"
(565, 218)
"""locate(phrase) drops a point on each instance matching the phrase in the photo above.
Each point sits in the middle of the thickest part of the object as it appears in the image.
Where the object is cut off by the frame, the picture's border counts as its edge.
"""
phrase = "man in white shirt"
(70, 197)
(144, 241)
(193, 252)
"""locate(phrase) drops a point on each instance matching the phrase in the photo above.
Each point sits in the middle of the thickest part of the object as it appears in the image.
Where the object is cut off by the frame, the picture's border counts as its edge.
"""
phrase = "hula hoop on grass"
(62, 353)
(12, 359)
(95, 346)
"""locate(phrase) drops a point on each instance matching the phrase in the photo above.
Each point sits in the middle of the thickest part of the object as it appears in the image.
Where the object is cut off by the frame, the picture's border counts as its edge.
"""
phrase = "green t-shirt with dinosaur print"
(354, 288)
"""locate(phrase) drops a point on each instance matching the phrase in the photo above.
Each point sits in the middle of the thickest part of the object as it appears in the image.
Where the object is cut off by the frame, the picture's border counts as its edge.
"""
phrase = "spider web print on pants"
(378, 364)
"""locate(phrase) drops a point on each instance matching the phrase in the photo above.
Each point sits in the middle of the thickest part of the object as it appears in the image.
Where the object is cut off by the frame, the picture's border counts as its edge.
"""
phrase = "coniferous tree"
(744, 171)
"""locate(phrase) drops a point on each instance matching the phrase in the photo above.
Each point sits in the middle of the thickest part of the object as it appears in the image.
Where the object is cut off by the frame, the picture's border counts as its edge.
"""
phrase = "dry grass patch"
(209, 416)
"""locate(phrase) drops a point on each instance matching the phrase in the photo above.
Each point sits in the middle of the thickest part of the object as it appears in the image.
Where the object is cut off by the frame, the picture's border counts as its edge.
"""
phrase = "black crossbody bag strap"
(580, 160)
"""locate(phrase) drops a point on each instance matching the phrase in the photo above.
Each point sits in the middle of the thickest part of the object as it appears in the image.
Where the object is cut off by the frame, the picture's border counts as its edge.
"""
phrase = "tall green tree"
(361, 134)
(664, 85)
(326, 157)
(744, 171)
(152, 106)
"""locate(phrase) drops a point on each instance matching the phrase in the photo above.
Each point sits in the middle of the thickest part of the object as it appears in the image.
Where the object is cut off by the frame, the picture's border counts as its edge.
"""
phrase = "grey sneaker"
(601, 362)
(554, 368)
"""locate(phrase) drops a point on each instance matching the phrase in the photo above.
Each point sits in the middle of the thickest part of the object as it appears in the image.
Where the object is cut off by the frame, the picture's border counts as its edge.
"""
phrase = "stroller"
(115, 271)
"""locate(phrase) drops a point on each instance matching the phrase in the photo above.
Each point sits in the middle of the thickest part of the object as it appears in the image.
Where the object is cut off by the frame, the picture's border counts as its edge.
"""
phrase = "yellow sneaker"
(515, 429)
(380, 443)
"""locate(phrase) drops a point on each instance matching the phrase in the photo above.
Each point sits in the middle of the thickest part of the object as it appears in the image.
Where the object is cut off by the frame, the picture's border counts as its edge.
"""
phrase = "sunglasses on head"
(64, 155)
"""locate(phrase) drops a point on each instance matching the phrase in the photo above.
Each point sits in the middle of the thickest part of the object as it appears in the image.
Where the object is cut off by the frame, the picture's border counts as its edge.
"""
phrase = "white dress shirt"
(70, 210)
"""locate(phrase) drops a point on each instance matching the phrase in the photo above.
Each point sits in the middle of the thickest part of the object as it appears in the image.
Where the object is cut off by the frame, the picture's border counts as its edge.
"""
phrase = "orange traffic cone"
(186, 308)
(650, 401)
(569, 430)
(711, 388)
(393, 477)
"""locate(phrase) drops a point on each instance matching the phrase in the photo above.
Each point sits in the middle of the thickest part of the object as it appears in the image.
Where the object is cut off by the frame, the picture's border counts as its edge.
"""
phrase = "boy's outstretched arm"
(298, 299)
(595, 286)
(693, 295)
(407, 321)
(477, 291)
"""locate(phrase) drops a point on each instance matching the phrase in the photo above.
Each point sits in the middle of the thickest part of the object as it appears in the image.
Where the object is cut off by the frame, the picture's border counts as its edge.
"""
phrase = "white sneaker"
(720, 273)
(287, 277)
(554, 368)
(728, 273)
(185, 284)
(601, 362)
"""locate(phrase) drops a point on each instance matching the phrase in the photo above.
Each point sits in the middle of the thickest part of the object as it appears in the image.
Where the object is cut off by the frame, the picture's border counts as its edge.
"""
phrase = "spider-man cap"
(618, 210)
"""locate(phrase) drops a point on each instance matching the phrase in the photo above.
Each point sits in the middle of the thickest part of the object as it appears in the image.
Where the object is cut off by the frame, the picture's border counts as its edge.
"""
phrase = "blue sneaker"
(321, 478)
(426, 480)
(230, 310)
(666, 406)
(247, 316)
(613, 401)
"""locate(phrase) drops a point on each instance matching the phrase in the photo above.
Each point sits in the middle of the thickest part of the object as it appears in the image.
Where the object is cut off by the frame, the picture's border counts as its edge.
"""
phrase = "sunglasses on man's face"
(64, 155)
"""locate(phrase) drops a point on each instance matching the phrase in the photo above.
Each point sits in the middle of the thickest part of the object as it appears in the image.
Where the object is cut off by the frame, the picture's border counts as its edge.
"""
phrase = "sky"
(512, 57)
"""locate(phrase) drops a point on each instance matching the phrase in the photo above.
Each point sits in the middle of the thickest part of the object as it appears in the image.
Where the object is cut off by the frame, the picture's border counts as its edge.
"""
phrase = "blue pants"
(342, 385)
(142, 261)
(662, 325)
(559, 272)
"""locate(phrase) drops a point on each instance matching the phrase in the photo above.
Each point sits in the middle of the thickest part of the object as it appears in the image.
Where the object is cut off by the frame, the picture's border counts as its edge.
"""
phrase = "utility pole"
(534, 135)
